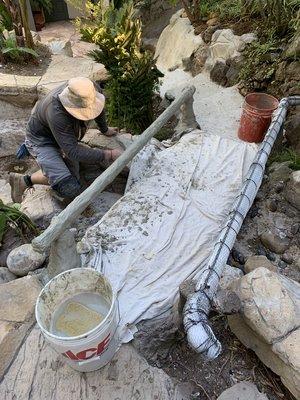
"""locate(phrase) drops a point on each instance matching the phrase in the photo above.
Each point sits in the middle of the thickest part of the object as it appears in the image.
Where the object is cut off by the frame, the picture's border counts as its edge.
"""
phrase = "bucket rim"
(83, 335)
(264, 109)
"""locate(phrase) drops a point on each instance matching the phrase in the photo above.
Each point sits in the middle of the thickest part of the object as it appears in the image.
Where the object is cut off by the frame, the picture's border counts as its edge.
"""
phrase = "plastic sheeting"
(163, 230)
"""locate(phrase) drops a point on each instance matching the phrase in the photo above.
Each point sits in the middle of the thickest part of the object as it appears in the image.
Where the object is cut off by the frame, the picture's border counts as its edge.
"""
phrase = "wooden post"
(79, 204)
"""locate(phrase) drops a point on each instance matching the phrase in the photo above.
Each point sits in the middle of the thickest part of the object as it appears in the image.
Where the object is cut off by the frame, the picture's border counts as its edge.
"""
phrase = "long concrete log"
(79, 204)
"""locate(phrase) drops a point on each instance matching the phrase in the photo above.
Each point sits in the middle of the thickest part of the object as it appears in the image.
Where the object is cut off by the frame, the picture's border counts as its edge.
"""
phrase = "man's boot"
(18, 186)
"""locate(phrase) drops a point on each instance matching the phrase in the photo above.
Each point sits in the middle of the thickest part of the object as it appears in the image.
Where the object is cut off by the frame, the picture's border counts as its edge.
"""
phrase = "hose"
(196, 311)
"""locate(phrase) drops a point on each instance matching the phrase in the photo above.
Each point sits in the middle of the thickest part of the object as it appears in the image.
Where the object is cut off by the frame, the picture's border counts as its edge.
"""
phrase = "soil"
(12, 164)
(29, 67)
(235, 364)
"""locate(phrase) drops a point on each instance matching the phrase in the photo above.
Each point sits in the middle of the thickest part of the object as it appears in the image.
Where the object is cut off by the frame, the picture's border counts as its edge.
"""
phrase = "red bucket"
(256, 116)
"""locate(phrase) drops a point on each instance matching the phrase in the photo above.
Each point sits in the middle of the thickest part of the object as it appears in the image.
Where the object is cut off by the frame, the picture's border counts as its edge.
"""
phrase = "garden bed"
(36, 67)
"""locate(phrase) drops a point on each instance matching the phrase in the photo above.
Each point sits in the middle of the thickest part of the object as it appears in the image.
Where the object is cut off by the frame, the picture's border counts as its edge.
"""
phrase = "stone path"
(39, 373)
(65, 30)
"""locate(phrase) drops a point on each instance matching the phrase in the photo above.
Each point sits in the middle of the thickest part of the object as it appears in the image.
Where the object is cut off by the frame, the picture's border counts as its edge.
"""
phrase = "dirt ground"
(206, 380)
(29, 67)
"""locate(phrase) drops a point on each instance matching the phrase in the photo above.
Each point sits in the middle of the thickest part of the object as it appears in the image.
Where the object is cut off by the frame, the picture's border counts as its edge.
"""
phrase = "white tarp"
(164, 228)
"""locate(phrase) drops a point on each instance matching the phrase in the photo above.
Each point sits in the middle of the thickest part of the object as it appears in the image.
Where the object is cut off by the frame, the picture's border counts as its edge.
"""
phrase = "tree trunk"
(28, 35)
(14, 11)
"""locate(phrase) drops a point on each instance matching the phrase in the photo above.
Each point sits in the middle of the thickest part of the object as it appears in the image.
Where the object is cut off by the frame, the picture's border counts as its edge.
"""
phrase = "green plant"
(289, 155)
(281, 15)
(12, 217)
(11, 51)
(133, 74)
(260, 61)
(5, 18)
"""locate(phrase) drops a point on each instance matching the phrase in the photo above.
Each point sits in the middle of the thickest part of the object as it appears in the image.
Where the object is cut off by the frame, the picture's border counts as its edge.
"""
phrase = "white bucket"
(93, 349)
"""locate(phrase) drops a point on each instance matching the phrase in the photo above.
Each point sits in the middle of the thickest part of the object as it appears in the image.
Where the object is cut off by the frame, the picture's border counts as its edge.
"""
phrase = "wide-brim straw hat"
(81, 99)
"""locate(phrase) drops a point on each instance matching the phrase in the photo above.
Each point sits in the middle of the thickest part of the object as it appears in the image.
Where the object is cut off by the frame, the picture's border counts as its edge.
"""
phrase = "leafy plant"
(277, 14)
(260, 61)
(287, 154)
(12, 217)
(5, 18)
(133, 74)
(13, 52)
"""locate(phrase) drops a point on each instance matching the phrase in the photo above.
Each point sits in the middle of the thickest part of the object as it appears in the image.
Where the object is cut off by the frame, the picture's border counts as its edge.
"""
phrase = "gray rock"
(63, 255)
(292, 129)
(218, 73)
(274, 242)
(40, 205)
(287, 258)
(6, 275)
(279, 171)
(17, 299)
(24, 259)
(207, 34)
(272, 205)
(242, 391)
(10, 241)
(5, 192)
(292, 193)
(269, 322)
(254, 262)
(46, 375)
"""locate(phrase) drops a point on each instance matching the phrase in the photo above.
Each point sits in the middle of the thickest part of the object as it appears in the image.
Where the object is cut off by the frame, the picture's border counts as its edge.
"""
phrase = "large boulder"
(225, 45)
(292, 193)
(177, 42)
(46, 376)
(40, 205)
(17, 300)
(23, 259)
(269, 322)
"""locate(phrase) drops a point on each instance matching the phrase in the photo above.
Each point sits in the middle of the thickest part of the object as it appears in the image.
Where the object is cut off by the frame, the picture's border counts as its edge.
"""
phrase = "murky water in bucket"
(79, 314)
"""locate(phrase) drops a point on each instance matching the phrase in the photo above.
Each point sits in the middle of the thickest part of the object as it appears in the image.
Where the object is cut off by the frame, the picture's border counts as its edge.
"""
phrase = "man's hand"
(112, 155)
(111, 131)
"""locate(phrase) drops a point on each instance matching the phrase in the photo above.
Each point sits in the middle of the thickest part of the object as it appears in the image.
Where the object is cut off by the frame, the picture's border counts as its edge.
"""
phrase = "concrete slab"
(39, 373)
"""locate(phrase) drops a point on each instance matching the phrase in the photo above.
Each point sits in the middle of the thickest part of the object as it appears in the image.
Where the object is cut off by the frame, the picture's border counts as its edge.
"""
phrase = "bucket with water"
(77, 313)
(256, 116)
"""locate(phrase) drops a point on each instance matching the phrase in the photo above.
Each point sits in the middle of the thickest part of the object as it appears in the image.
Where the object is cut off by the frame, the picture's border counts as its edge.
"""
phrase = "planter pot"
(39, 19)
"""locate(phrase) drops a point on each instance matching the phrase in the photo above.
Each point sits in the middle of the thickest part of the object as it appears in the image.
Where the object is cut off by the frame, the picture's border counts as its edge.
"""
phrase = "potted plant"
(38, 7)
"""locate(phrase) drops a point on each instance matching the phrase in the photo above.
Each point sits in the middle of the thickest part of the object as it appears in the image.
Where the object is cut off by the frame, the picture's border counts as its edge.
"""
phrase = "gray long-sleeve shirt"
(50, 124)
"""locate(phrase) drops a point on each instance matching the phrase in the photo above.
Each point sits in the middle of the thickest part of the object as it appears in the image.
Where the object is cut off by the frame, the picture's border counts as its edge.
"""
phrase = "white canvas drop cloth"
(164, 228)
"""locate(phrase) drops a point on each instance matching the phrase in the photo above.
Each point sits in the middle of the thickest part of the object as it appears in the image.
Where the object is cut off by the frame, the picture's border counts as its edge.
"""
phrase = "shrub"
(133, 74)
(5, 18)
(280, 15)
(12, 52)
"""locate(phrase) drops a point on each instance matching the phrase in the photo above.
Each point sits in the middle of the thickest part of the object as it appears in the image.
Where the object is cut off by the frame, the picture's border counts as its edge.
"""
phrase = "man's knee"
(68, 187)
